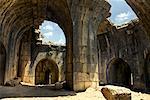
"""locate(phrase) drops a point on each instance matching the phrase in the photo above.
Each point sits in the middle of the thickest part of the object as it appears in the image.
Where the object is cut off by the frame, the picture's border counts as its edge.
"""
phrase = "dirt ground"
(46, 93)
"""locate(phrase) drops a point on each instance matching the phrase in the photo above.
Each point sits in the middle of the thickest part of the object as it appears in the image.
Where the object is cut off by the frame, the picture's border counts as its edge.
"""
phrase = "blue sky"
(52, 32)
(120, 13)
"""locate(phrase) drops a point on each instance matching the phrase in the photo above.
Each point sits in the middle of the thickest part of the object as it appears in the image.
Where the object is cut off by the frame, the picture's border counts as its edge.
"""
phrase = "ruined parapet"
(130, 24)
(142, 9)
(128, 42)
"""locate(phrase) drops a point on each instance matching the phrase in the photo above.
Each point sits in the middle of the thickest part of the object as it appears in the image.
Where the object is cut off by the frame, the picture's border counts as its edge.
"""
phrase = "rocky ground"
(47, 93)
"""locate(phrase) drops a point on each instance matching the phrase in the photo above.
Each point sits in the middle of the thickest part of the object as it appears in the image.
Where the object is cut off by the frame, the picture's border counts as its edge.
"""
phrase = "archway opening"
(24, 20)
(121, 13)
(2, 63)
(119, 73)
(52, 41)
(46, 72)
(51, 34)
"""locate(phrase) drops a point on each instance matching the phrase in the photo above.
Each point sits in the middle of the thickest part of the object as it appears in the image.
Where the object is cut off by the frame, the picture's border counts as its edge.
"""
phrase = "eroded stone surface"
(142, 10)
(116, 93)
(131, 45)
(80, 20)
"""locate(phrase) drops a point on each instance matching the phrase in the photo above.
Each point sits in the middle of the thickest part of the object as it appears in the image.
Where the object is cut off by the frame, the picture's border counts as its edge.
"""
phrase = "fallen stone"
(58, 85)
(26, 84)
(14, 82)
(116, 93)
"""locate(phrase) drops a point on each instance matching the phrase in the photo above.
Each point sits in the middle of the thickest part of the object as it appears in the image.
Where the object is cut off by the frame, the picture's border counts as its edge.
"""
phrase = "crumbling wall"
(55, 53)
(129, 43)
(79, 20)
(142, 10)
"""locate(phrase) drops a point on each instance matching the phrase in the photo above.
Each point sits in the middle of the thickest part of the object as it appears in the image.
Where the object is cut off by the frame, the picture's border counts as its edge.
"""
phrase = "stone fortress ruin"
(96, 52)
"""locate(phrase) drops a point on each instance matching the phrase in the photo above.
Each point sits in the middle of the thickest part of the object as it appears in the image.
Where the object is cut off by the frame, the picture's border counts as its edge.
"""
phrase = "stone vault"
(79, 19)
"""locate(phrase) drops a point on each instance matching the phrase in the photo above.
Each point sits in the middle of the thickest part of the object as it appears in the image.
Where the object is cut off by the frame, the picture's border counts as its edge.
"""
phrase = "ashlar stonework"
(80, 20)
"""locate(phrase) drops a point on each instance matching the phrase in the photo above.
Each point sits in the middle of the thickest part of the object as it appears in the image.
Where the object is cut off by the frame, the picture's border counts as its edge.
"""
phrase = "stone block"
(83, 58)
(84, 68)
(86, 77)
(92, 68)
(94, 77)
(13, 82)
(78, 76)
(116, 93)
(79, 86)
(88, 84)
(26, 79)
(58, 85)
(94, 84)
(79, 67)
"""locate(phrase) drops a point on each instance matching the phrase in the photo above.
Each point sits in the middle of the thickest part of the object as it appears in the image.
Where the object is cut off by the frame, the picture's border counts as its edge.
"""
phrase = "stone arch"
(26, 18)
(118, 72)
(2, 63)
(79, 22)
(40, 57)
(46, 72)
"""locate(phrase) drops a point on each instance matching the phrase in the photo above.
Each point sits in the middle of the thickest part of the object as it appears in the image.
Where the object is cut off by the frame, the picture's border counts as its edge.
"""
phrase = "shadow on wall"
(2, 63)
(147, 71)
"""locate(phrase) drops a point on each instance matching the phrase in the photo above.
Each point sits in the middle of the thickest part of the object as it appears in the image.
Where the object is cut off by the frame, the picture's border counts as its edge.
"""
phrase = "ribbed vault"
(19, 16)
(142, 10)
(79, 19)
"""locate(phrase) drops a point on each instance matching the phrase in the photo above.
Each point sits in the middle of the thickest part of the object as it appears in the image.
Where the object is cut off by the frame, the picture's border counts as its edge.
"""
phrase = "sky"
(52, 32)
(120, 13)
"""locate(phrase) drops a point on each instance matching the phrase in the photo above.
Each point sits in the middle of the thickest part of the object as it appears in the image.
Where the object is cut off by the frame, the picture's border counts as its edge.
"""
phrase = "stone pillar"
(25, 57)
(69, 64)
(86, 18)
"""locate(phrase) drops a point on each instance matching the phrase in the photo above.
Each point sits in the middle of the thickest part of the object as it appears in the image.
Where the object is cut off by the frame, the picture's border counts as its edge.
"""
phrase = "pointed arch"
(118, 72)
(46, 72)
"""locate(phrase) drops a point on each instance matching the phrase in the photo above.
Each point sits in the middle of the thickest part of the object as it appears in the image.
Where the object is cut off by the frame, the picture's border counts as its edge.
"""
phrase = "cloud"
(48, 27)
(48, 34)
(52, 32)
(122, 17)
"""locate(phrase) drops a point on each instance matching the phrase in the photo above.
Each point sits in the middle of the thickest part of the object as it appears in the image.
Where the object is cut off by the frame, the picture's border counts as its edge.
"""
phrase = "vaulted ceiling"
(142, 10)
(18, 16)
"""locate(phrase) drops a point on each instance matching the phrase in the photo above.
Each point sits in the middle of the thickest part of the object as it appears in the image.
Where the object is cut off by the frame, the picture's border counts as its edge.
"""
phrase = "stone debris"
(13, 82)
(22, 93)
(83, 65)
(116, 93)
(59, 85)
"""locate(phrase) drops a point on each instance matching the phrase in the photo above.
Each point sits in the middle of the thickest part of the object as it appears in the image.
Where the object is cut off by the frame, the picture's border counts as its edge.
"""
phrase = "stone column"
(86, 18)
(25, 57)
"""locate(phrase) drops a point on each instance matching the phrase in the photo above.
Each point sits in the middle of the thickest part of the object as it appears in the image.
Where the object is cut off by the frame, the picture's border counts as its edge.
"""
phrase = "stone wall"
(131, 44)
(79, 20)
(142, 10)
(86, 18)
(56, 54)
